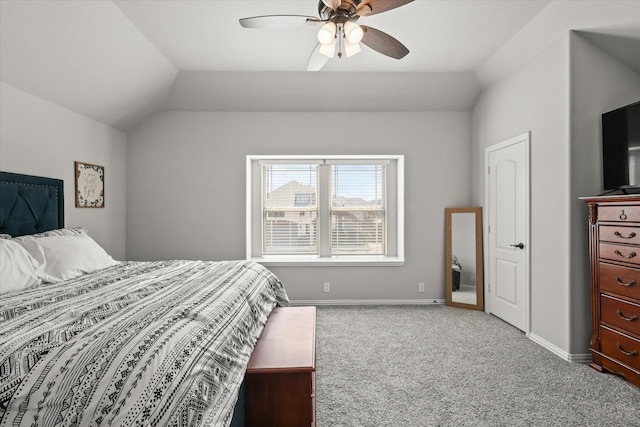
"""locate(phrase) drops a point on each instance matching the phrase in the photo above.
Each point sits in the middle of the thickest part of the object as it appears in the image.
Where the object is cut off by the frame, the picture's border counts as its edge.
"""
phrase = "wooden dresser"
(281, 375)
(614, 246)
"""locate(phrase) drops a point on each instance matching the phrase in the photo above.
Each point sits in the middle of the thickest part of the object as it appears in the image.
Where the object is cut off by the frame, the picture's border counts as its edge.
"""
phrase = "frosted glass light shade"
(351, 48)
(328, 49)
(353, 32)
(327, 33)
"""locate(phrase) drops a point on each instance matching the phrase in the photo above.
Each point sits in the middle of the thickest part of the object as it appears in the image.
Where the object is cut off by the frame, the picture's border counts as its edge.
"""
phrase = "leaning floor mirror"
(464, 272)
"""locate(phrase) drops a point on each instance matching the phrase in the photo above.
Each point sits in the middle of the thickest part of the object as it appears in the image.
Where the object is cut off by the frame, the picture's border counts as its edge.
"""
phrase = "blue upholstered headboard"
(30, 204)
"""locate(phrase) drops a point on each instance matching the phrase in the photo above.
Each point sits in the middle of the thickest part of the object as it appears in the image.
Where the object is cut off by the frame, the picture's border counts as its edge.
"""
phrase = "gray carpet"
(442, 366)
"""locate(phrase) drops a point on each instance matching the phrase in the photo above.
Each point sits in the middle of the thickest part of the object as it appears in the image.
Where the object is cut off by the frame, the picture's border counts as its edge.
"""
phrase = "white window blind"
(358, 209)
(290, 208)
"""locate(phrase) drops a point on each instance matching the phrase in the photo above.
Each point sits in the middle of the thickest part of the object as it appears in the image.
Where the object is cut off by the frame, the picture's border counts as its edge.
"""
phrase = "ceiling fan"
(339, 32)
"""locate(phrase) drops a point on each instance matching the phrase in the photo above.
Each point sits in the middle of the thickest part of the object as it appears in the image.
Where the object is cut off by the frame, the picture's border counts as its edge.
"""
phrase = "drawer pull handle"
(631, 255)
(621, 283)
(623, 215)
(630, 236)
(628, 319)
(632, 353)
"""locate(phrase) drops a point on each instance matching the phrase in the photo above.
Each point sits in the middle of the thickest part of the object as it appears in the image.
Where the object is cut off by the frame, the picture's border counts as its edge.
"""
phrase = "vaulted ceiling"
(119, 61)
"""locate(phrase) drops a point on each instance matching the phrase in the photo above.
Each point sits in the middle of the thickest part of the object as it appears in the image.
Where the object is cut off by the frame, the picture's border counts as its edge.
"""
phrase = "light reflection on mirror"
(463, 257)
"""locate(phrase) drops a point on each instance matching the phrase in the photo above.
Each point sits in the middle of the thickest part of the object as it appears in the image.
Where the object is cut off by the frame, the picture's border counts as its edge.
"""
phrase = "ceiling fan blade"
(371, 7)
(278, 21)
(332, 4)
(316, 60)
(383, 43)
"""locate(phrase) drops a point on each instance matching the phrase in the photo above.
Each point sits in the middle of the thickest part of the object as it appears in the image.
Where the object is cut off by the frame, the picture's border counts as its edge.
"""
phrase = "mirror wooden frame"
(479, 305)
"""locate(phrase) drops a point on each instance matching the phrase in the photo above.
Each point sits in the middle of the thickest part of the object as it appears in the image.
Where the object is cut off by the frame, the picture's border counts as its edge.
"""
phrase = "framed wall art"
(89, 185)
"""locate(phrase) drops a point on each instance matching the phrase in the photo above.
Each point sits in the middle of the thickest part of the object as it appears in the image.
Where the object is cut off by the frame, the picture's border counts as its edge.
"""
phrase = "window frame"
(254, 223)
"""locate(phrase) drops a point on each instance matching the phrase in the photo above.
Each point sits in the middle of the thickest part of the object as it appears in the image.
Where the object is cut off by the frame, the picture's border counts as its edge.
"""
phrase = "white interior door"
(508, 224)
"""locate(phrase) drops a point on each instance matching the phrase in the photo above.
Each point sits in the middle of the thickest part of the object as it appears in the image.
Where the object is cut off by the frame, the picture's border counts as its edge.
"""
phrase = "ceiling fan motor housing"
(345, 11)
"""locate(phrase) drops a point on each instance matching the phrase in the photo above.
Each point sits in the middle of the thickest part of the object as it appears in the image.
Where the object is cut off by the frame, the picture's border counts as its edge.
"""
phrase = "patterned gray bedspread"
(153, 343)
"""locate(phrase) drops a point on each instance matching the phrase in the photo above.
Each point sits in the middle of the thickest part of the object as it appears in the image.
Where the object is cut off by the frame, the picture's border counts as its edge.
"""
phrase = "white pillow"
(17, 267)
(64, 257)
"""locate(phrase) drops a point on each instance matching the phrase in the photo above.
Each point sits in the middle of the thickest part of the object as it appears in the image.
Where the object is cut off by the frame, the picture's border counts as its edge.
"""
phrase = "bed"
(128, 343)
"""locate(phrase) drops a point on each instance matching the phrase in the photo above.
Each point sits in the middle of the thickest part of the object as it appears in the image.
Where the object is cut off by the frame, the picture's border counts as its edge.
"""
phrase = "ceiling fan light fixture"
(328, 49)
(351, 48)
(339, 34)
(327, 34)
(353, 32)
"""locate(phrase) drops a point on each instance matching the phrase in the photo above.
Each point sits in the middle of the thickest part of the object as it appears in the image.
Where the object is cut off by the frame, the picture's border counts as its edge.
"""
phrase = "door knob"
(519, 245)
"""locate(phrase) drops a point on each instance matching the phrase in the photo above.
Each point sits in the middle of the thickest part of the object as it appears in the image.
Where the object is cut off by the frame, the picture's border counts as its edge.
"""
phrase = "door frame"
(524, 138)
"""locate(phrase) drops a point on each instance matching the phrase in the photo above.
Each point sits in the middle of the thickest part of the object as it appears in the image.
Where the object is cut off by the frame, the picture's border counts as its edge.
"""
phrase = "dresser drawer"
(619, 213)
(620, 280)
(621, 347)
(621, 314)
(621, 253)
(619, 234)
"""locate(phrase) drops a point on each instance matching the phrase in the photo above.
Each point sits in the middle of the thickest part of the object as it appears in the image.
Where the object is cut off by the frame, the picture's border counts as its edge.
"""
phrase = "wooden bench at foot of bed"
(281, 375)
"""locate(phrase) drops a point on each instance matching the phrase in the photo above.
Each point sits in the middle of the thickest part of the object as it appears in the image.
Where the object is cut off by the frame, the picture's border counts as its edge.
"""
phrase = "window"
(325, 210)
(358, 209)
(289, 209)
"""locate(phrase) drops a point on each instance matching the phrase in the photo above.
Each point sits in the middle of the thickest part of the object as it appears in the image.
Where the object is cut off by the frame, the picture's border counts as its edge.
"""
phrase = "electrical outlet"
(420, 287)
(327, 286)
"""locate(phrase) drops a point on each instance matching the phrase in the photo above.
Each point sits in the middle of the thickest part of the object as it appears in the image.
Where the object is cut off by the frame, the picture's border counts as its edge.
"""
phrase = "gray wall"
(40, 138)
(536, 98)
(186, 189)
(558, 96)
(599, 83)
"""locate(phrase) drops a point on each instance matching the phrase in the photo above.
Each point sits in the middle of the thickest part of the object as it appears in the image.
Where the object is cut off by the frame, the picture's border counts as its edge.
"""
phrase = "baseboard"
(569, 357)
(581, 358)
(368, 302)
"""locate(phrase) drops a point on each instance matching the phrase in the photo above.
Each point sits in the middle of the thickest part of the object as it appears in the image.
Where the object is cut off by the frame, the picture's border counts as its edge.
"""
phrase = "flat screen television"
(621, 149)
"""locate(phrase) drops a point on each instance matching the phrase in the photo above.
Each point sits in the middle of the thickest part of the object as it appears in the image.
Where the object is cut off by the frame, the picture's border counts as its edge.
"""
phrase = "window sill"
(343, 261)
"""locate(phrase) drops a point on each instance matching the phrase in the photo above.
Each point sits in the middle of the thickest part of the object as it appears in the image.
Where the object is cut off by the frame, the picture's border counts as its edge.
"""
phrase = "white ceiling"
(119, 61)
(440, 35)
